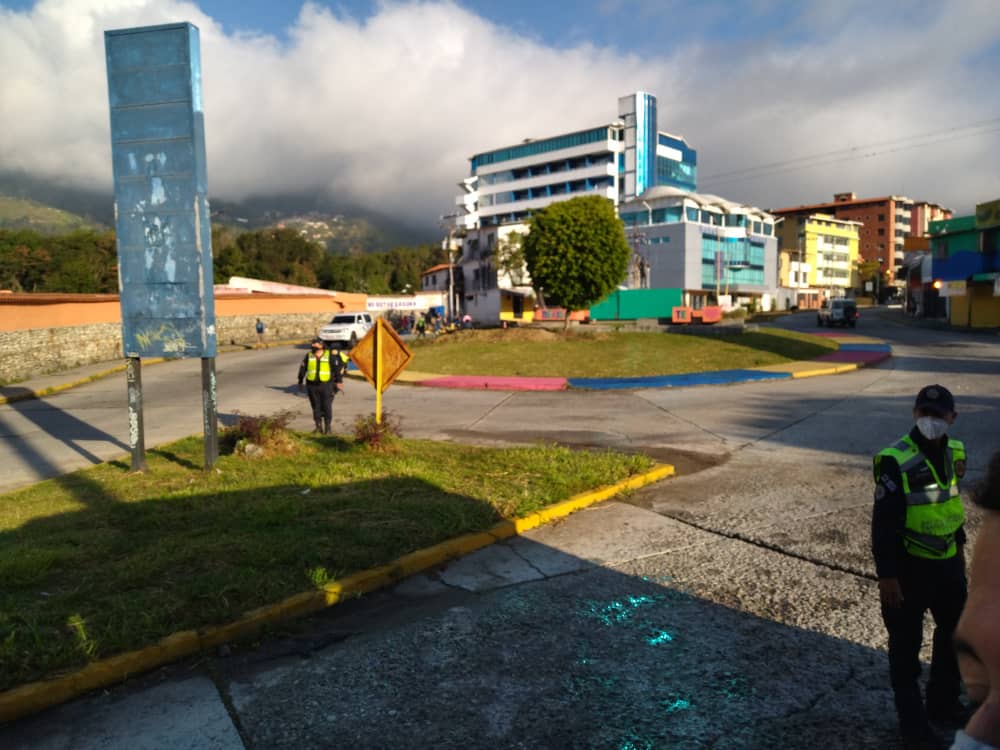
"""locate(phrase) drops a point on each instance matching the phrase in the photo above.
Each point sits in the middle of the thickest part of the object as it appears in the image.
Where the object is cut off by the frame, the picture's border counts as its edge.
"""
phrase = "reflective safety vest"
(934, 510)
(321, 365)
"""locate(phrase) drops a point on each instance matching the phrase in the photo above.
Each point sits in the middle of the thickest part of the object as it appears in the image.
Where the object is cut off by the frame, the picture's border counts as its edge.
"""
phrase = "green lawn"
(586, 353)
(102, 561)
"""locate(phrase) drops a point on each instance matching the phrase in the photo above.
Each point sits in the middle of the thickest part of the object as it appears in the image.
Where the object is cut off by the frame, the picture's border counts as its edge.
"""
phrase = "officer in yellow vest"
(322, 371)
(917, 542)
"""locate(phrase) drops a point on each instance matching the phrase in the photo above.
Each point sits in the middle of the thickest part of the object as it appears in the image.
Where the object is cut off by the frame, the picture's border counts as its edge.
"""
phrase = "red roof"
(829, 204)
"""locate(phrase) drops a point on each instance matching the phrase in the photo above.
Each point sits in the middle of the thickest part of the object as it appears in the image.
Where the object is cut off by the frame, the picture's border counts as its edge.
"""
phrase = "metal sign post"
(210, 411)
(136, 441)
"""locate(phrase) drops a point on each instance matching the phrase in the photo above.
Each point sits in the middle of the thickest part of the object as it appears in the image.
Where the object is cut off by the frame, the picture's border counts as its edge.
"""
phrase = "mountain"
(22, 213)
(342, 227)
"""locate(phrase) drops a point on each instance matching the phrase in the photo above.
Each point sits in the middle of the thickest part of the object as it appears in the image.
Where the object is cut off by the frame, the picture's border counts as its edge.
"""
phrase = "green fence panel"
(632, 304)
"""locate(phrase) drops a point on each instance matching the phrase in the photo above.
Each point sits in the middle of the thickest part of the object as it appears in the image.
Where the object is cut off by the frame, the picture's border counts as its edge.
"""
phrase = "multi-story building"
(923, 213)
(617, 160)
(818, 257)
(885, 221)
(705, 245)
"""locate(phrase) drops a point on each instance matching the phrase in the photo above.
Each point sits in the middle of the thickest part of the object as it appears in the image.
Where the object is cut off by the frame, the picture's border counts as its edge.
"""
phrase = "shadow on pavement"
(56, 423)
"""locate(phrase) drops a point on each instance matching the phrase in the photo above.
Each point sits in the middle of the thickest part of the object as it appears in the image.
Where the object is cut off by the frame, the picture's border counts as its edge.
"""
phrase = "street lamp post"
(878, 282)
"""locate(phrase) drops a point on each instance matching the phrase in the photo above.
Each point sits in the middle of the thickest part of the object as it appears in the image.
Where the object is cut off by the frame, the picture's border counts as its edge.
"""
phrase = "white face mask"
(932, 428)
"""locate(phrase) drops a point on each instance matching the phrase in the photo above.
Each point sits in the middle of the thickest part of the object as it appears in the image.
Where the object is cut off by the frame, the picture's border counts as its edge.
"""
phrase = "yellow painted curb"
(831, 370)
(37, 696)
(43, 392)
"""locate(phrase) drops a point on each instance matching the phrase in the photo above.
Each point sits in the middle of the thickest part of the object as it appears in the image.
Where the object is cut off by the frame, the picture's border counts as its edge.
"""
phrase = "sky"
(381, 104)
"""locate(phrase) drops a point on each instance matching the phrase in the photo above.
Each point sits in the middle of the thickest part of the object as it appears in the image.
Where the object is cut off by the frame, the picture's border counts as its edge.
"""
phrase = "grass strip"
(530, 352)
(103, 561)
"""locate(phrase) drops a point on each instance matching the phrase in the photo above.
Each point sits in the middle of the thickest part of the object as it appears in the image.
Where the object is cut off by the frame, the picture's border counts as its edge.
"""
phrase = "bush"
(267, 432)
(379, 436)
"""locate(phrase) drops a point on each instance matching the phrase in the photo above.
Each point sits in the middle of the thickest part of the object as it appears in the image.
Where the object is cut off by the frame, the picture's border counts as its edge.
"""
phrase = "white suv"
(346, 328)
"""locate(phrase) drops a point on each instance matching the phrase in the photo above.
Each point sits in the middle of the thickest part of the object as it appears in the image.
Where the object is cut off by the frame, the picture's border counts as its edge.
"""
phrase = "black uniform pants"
(321, 400)
(938, 586)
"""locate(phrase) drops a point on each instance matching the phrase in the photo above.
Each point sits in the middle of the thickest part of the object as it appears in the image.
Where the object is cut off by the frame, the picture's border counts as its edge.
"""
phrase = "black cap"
(935, 398)
(317, 342)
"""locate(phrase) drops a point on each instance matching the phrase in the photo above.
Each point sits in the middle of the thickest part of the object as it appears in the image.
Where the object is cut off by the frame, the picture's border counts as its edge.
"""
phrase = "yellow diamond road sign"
(395, 355)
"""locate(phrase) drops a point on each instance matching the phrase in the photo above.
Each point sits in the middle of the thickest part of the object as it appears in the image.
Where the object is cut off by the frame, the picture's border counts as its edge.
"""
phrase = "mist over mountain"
(340, 226)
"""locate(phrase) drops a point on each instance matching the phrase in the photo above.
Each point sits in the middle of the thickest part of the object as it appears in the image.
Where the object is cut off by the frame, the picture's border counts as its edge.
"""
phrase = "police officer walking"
(322, 371)
(917, 542)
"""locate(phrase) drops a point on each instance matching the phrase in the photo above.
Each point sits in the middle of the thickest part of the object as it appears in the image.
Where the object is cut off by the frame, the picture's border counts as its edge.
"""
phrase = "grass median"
(103, 561)
(593, 353)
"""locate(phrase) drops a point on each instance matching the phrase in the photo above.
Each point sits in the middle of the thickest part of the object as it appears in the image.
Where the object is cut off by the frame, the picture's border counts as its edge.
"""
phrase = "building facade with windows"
(617, 160)
(819, 256)
(885, 224)
(706, 245)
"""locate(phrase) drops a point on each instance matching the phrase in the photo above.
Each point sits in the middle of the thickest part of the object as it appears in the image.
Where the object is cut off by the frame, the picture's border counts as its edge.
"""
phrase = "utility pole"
(448, 222)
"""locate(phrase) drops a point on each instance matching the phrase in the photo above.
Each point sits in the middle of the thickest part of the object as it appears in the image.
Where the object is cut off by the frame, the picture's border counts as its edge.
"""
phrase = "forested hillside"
(86, 261)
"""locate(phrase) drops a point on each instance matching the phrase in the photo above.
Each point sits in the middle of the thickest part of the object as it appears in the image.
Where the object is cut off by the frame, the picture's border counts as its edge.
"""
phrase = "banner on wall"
(952, 289)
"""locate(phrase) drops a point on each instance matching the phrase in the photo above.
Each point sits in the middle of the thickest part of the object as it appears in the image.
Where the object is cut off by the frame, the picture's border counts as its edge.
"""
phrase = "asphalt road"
(733, 606)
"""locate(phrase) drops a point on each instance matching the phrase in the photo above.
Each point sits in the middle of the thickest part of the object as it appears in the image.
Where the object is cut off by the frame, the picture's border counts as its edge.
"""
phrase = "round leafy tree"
(576, 252)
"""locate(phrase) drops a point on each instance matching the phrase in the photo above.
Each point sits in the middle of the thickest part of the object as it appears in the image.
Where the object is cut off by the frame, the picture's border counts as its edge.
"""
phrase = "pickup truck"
(346, 329)
(837, 312)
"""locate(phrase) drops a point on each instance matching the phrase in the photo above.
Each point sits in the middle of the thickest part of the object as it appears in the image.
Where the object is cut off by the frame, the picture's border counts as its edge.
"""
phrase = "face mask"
(932, 427)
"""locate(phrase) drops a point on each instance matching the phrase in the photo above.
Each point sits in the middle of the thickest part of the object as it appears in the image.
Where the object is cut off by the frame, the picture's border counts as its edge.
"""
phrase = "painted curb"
(33, 697)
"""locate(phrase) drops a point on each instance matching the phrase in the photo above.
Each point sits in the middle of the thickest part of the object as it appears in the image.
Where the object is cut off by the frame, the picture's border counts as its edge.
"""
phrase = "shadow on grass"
(109, 576)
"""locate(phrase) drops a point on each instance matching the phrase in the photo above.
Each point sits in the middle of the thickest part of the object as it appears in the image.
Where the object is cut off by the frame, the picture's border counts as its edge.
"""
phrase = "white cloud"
(386, 111)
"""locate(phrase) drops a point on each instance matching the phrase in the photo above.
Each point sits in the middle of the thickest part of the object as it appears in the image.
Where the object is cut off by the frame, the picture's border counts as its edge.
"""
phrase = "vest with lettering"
(320, 367)
(934, 512)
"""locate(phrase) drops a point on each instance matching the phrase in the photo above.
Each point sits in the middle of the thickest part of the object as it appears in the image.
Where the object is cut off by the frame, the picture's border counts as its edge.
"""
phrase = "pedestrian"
(917, 542)
(260, 333)
(421, 326)
(322, 371)
(977, 638)
(467, 321)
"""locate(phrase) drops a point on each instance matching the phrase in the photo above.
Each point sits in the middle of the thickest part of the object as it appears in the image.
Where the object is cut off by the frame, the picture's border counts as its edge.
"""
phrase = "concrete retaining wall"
(39, 351)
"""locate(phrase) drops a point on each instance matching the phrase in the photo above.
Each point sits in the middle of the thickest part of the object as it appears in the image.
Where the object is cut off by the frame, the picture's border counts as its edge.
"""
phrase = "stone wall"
(40, 351)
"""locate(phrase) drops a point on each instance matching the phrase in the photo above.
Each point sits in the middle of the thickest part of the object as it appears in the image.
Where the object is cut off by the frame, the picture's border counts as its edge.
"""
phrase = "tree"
(510, 258)
(576, 251)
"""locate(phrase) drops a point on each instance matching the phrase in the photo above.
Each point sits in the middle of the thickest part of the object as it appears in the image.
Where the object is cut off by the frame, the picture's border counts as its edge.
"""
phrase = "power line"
(852, 153)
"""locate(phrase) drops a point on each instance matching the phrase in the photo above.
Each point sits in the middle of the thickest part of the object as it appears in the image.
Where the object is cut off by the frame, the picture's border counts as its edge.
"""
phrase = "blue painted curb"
(677, 381)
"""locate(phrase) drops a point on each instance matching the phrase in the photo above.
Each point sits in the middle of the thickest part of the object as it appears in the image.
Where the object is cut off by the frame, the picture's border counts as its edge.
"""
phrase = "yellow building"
(821, 253)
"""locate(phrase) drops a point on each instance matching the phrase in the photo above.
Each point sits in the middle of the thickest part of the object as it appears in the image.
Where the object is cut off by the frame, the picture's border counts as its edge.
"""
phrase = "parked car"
(346, 329)
(837, 312)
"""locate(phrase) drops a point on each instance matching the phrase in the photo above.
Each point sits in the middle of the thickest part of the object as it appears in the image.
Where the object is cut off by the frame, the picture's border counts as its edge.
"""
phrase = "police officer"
(917, 542)
(322, 371)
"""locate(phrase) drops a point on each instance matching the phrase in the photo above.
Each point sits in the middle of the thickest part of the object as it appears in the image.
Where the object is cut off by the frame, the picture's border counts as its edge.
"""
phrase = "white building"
(703, 244)
(617, 160)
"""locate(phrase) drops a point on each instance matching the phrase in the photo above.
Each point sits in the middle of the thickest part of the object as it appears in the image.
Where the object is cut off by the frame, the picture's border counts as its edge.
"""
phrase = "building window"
(881, 231)
(881, 217)
(692, 214)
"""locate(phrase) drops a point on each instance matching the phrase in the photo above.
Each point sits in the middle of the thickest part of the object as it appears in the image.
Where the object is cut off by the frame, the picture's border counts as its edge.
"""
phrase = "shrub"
(267, 432)
(378, 436)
